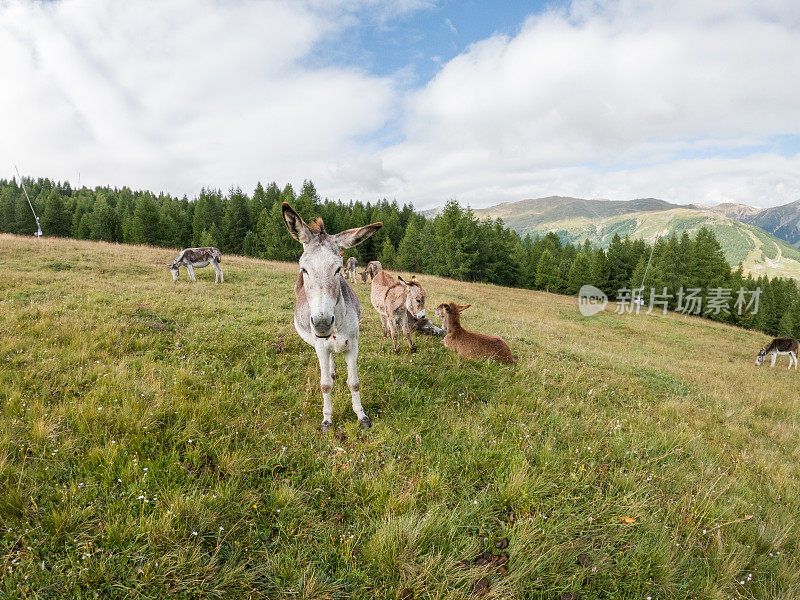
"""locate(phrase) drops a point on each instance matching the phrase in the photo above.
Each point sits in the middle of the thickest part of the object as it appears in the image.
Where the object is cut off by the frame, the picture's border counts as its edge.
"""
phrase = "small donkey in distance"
(779, 346)
(195, 258)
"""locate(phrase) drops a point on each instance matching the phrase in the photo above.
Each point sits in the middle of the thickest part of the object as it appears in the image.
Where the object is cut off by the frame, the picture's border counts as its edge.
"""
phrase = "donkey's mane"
(318, 226)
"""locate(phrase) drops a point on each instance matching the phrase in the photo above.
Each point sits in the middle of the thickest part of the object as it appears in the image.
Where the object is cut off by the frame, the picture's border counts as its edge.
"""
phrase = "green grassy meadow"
(162, 440)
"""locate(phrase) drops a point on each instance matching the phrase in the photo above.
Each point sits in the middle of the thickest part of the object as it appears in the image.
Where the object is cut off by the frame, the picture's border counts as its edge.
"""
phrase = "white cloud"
(176, 95)
(605, 98)
(604, 84)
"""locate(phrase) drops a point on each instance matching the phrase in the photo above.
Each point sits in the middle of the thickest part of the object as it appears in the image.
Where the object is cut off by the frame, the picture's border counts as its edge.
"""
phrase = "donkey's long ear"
(403, 282)
(296, 226)
(352, 237)
(462, 308)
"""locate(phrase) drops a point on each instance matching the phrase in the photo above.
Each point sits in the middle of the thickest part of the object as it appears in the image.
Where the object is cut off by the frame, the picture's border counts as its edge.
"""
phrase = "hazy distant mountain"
(740, 212)
(781, 221)
(525, 215)
(737, 226)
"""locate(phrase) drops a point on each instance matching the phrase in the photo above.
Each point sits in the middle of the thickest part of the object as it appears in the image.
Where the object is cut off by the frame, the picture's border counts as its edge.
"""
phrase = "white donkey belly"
(202, 263)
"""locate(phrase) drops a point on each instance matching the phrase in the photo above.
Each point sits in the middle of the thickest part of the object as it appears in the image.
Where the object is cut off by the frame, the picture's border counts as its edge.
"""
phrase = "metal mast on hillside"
(38, 233)
(639, 300)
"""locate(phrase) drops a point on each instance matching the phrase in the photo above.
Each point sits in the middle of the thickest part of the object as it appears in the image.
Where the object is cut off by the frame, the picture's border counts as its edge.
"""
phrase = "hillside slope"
(162, 440)
(781, 221)
(759, 251)
(529, 215)
(740, 212)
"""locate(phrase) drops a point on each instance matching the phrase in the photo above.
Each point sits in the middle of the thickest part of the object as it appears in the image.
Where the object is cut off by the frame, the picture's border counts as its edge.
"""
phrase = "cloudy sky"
(416, 100)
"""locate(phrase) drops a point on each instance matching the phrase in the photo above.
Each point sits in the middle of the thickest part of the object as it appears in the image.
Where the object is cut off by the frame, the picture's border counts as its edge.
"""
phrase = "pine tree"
(24, 221)
(388, 256)
(600, 270)
(708, 267)
(786, 324)
(249, 246)
(274, 240)
(7, 207)
(83, 230)
(580, 273)
(767, 319)
(617, 266)
(208, 211)
(408, 253)
(547, 274)
(206, 239)
(456, 241)
(56, 220)
(521, 257)
(670, 266)
(146, 227)
(256, 204)
(103, 223)
(235, 223)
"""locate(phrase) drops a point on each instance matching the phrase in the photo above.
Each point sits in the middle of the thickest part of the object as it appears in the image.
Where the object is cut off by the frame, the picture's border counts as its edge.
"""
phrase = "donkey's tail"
(218, 258)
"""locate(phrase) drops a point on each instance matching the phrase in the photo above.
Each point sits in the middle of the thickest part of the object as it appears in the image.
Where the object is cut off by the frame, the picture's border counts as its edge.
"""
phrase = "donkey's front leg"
(390, 322)
(384, 325)
(407, 332)
(326, 383)
(351, 357)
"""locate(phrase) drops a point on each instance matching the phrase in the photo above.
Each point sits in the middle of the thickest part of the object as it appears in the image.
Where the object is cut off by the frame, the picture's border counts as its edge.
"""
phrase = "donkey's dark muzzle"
(322, 326)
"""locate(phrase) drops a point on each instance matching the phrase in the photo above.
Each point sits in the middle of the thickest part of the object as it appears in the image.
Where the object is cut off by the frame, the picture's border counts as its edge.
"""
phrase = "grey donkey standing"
(327, 313)
(779, 346)
(193, 258)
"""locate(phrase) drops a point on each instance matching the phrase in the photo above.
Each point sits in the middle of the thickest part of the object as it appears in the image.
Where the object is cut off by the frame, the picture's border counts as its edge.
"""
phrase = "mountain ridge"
(762, 240)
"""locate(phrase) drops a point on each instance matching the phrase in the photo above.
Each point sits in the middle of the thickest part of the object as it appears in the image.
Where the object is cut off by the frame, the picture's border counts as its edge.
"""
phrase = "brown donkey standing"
(468, 343)
(393, 300)
(328, 312)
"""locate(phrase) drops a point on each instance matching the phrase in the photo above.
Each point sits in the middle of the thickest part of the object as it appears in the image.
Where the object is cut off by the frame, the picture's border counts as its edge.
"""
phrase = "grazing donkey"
(192, 258)
(394, 300)
(373, 268)
(468, 343)
(350, 269)
(328, 312)
(779, 346)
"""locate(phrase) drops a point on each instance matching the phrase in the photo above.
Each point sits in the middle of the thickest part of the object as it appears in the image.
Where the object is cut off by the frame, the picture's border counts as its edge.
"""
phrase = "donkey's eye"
(303, 271)
(339, 270)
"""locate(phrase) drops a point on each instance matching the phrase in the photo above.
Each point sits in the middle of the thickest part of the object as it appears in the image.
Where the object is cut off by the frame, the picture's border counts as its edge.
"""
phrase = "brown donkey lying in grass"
(468, 343)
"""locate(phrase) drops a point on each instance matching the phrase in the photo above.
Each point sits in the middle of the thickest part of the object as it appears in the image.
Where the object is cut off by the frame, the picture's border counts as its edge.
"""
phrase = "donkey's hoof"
(326, 426)
(365, 422)
(413, 349)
